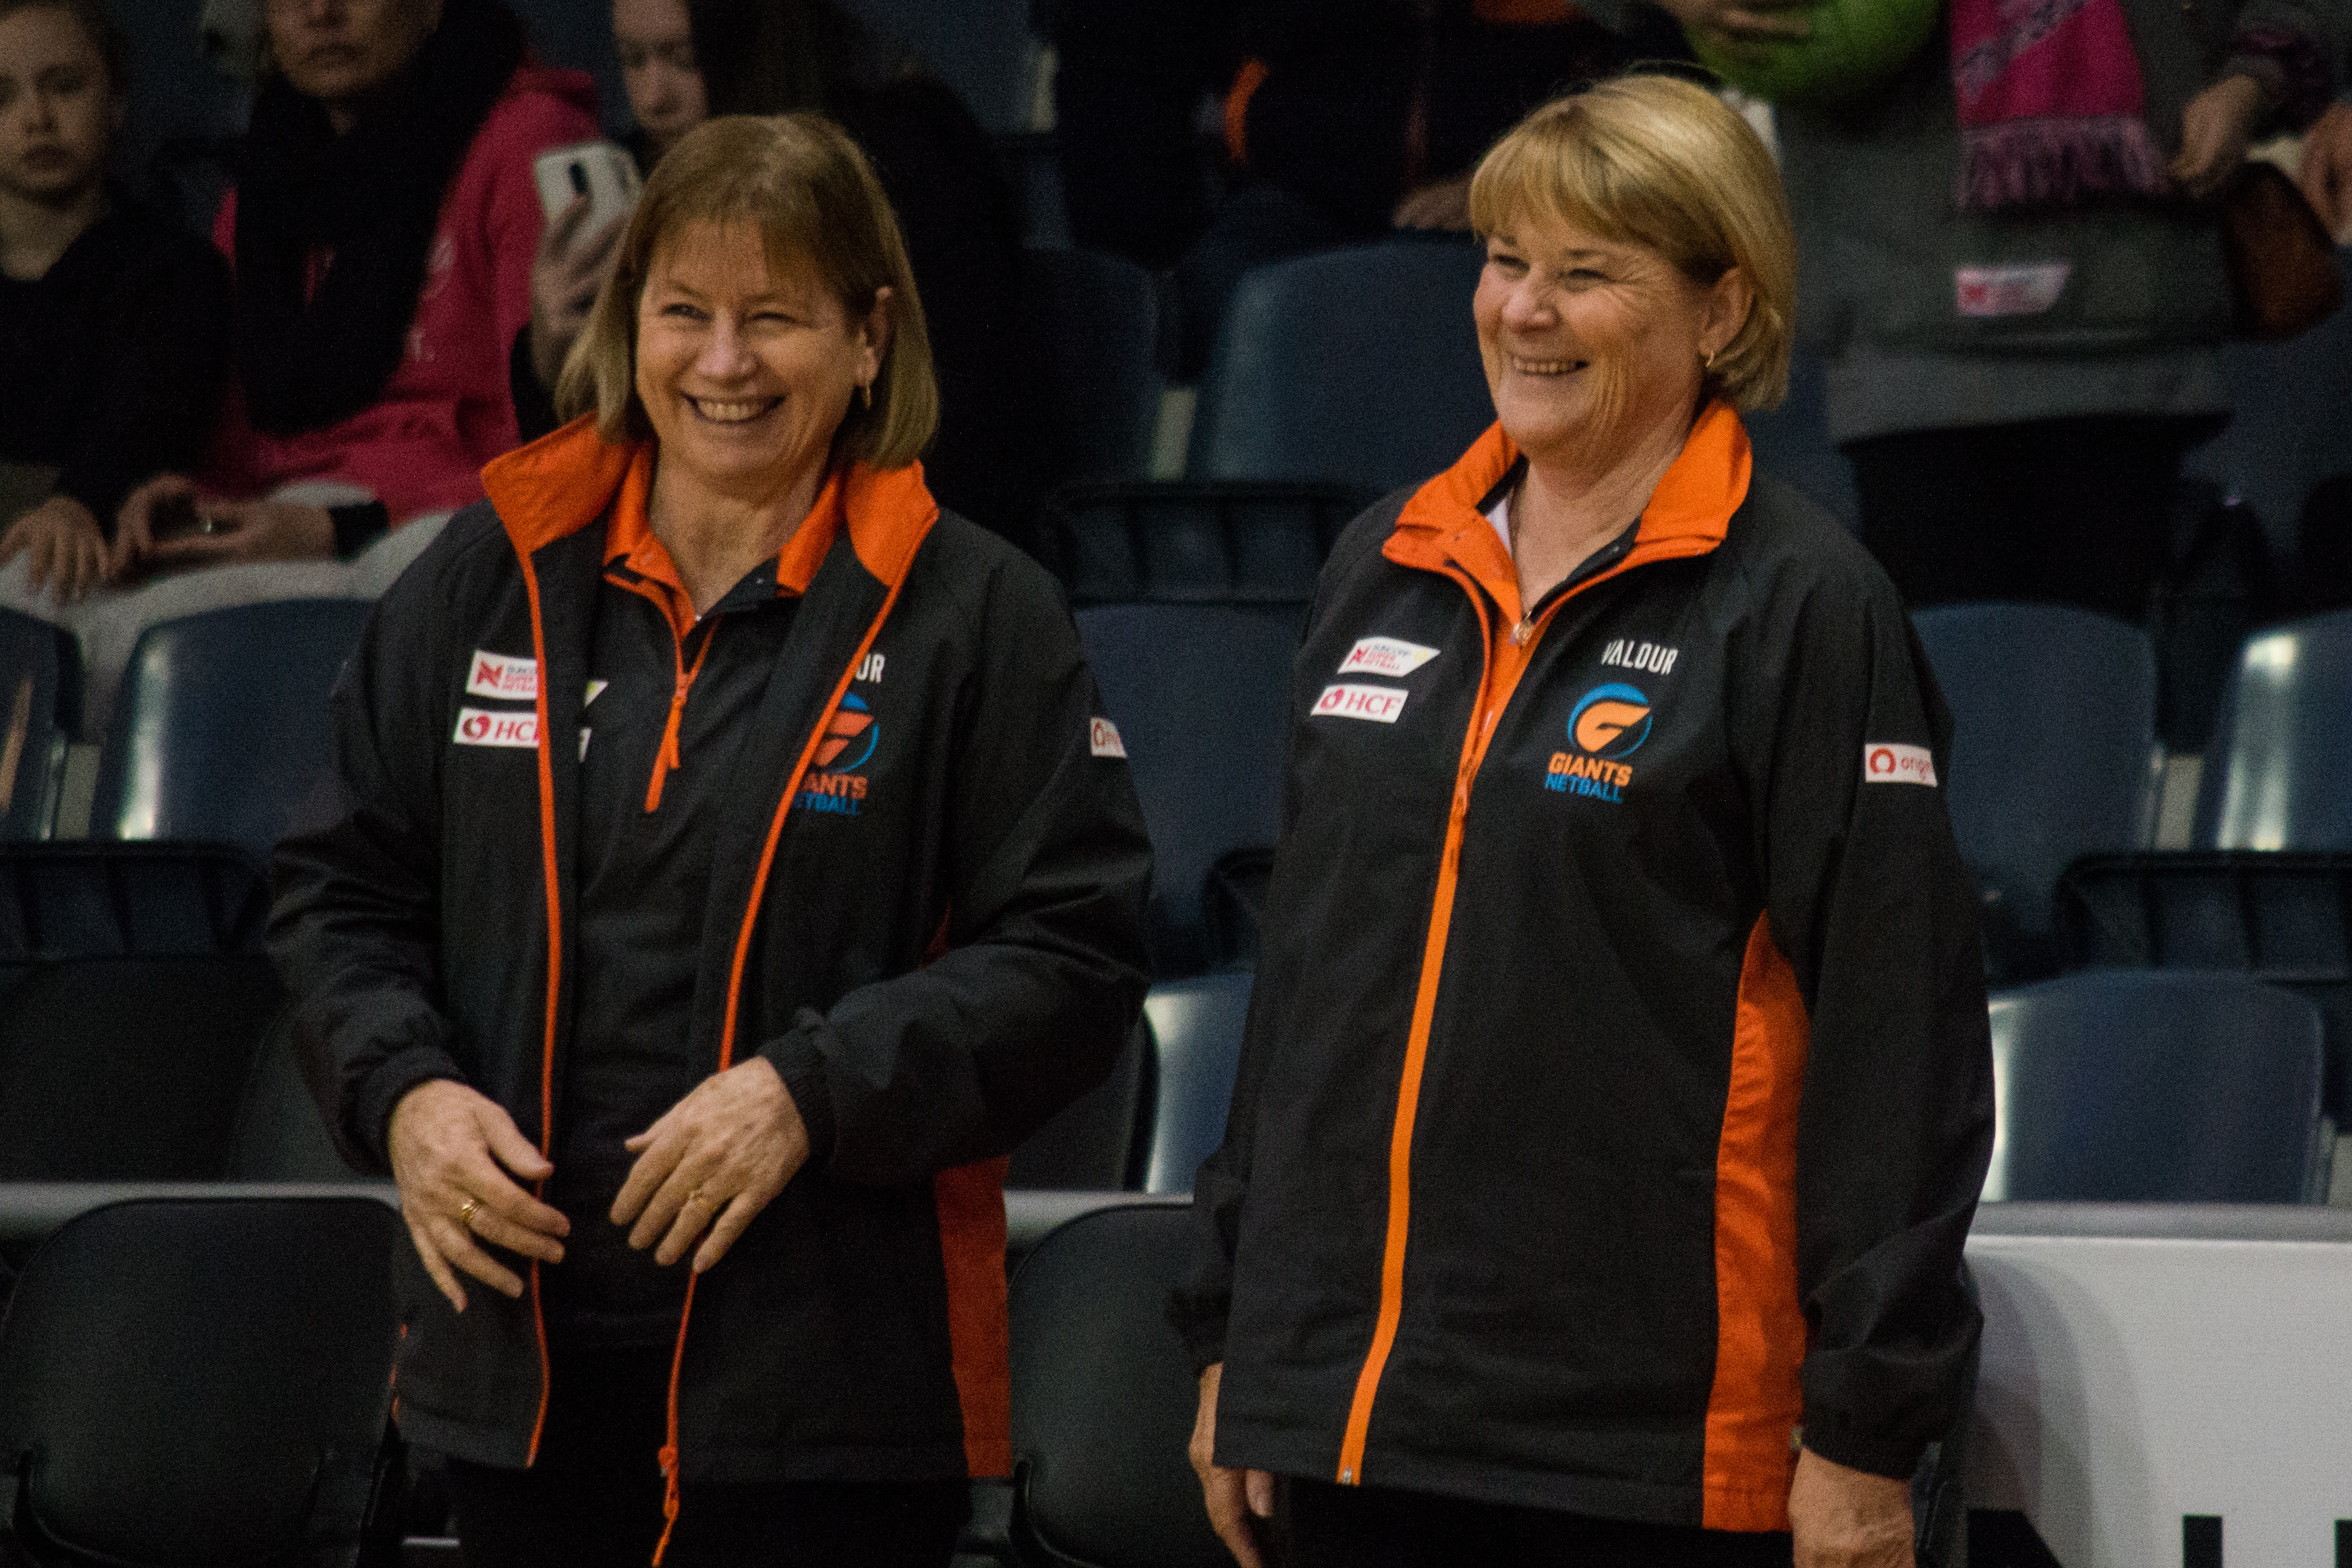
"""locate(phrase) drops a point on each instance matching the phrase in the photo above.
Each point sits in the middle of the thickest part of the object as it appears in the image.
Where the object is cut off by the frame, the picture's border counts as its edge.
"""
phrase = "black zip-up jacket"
(1617, 1088)
(936, 944)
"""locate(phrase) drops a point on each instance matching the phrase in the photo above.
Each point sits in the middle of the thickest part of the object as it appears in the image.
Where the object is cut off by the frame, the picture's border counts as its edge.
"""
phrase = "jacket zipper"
(1483, 718)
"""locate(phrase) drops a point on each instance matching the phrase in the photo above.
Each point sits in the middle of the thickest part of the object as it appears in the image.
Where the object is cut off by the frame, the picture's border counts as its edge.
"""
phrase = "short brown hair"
(103, 35)
(804, 185)
(1653, 160)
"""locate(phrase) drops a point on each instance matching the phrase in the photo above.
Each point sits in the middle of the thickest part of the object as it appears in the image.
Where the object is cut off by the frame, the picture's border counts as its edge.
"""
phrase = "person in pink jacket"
(381, 233)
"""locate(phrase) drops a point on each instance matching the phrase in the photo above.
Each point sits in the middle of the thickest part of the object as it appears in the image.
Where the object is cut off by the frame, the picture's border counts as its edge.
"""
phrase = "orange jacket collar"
(1689, 513)
(563, 482)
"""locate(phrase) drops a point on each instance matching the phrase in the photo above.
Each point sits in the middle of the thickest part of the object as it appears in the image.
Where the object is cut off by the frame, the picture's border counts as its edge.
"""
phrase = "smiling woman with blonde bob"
(1616, 1089)
(724, 869)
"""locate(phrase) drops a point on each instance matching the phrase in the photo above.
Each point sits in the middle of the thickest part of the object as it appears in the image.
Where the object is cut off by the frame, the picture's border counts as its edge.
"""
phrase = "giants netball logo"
(835, 786)
(1610, 722)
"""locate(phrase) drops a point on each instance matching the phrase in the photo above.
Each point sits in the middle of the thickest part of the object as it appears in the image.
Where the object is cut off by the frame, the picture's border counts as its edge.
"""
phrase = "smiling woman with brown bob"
(1616, 1091)
(728, 871)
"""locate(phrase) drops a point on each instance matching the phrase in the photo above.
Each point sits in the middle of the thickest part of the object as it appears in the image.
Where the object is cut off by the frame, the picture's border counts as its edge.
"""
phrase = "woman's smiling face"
(746, 372)
(1587, 340)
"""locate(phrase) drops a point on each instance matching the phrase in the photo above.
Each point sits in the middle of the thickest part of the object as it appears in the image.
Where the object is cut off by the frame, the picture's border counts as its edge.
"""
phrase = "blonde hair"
(803, 185)
(1660, 162)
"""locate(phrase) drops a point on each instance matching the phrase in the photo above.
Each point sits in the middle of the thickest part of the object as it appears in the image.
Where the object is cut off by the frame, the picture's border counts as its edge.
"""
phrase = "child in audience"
(113, 322)
(383, 231)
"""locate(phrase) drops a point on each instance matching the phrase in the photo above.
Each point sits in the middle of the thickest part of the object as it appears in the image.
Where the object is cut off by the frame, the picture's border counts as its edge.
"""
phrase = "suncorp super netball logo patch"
(1607, 724)
(835, 786)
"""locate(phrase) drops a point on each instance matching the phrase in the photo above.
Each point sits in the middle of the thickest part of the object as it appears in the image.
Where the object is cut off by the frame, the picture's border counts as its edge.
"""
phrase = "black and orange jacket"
(1617, 1088)
(935, 935)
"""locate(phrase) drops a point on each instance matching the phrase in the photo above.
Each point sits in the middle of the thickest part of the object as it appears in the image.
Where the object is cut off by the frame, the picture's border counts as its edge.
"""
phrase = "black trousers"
(1324, 1525)
(2068, 511)
(594, 1498)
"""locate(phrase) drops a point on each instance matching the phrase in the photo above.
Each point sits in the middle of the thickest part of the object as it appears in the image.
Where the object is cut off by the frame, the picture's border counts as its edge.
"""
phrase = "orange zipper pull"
(1522, 631)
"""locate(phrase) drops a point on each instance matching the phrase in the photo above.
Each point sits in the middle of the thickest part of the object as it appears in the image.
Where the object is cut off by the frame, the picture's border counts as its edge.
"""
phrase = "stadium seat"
(1199, 694)
(128, 1069)
(2278, 774)
(1791, 443)
(222, 724)
(2281, 916)
(2053, 732)
(190, 1380)
(1356, 366)
(2290, 431)
(278, 1135)
(41, 703)
(1096, 1142)
(1094, 321)
(1196, 1036)
(982, 48)
(1195, 542)
(2157, 1085)
(1103, 1397)
(81, 899)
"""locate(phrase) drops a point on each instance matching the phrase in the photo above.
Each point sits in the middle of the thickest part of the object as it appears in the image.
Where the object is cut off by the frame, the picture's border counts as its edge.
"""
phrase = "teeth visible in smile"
(734, 413)
(1548, 366)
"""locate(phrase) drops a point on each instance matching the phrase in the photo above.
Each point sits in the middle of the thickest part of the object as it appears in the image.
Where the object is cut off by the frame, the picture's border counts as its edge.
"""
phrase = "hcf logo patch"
(834, 785)
(1608, 723)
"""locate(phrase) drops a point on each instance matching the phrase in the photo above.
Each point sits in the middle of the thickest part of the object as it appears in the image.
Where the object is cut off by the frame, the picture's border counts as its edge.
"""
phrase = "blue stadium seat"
(2290, 431)
(2157, 1086)
(1196, 1034)
(1199, 694)
(1792, 443)
(41, 703)
(1195, 542)
(1094, 320)
(1103, 1398)
(2278, 774)
(2053, 730)
(1359, 366)
(203, 1380)
(222, 726)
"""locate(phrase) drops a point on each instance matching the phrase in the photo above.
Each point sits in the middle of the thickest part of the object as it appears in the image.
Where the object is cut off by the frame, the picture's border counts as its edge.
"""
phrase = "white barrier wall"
(2190, 1362)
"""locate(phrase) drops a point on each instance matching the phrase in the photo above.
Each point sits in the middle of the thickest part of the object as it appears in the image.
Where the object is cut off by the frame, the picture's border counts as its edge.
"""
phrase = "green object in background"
(1856, 45)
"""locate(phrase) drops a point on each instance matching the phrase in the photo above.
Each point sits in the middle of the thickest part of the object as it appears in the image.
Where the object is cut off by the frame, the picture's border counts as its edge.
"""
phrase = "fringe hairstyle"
(803, 185)
(1653, 160)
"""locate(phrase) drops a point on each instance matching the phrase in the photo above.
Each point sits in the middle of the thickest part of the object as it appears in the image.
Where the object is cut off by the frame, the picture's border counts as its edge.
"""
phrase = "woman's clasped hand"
(711, 1164)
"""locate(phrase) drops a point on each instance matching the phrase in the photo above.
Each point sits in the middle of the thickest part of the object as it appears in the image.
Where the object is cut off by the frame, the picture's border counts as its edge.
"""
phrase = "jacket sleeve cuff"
(1857, 1450)
(799, 1062)
(381, 1096)
(1202, 1330)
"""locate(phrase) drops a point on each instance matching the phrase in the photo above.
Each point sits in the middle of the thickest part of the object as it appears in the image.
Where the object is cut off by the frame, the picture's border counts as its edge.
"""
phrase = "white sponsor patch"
(495, 675)
(595, 690)
(480, 726)
(2026, 290)
(1102, 738)
(1385, 656)
(1382, 705)
(869, 668)
(1883, 763)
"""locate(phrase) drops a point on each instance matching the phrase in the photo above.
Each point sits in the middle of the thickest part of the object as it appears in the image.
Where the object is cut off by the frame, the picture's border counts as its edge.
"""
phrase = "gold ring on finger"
(466, 1212)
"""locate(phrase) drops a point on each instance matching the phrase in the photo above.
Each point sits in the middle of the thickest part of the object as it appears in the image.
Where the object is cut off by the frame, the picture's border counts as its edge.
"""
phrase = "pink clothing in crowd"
(447, 410)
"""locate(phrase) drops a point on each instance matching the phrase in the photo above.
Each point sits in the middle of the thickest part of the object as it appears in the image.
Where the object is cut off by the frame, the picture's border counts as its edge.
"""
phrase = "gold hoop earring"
(866, 391)
(1707, 363)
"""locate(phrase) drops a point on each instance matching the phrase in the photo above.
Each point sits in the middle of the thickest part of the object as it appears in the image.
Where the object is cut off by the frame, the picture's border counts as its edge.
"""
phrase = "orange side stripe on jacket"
(1759, 1326)
(554, 981)
(970, 1203)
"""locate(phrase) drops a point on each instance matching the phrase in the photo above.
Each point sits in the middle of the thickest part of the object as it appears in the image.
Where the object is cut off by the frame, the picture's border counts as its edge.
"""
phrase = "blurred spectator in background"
(1342, 118)
(683, 63)
(2327, 172)
(113, 322)
(2017, 372)
(382, 230)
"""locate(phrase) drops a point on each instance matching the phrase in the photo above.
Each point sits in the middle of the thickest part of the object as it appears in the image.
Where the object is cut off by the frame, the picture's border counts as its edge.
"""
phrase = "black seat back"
(128, 1069)
(187, 1380)
(1103, 1397)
